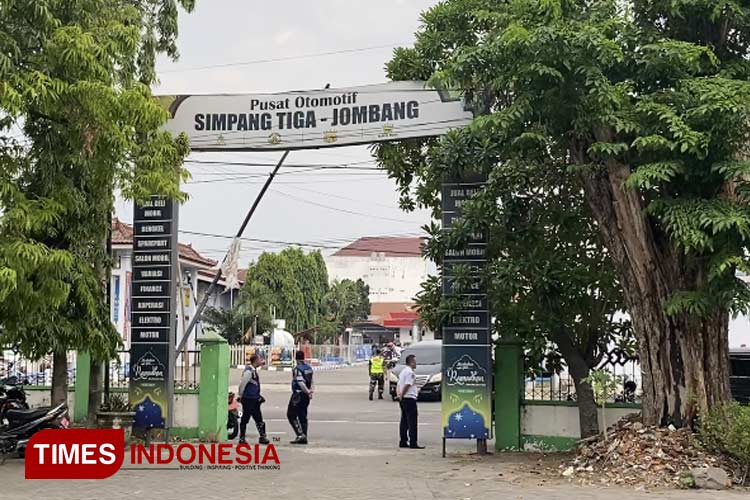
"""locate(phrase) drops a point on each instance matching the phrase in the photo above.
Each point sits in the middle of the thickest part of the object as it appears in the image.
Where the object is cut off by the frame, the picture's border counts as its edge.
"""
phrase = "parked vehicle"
(18, 425)
(739, 379)
(233, 418)
(12, 395)
(429, 368)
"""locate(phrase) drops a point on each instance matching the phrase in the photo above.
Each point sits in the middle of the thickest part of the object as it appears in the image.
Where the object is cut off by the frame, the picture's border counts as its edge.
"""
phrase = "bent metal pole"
(199, 311)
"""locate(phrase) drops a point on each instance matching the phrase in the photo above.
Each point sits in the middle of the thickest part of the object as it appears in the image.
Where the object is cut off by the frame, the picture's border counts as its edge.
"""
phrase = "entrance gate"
(309, 120)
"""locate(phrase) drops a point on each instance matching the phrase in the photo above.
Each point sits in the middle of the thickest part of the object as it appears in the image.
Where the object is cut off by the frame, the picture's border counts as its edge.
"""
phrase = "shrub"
(726, 429)
(115, 403)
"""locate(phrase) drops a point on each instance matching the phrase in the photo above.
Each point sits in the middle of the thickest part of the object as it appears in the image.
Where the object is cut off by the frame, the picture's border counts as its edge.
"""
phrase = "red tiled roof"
(394, 314)
(409, 315)
(122, 234)
(385, 309)
(398, 323)
(391, 246)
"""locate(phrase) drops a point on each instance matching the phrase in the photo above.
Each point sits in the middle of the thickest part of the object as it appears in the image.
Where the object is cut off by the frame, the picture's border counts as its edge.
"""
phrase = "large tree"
(646, 103)
(551, 282)
(74, 79)
(347, 301)
(296, 283)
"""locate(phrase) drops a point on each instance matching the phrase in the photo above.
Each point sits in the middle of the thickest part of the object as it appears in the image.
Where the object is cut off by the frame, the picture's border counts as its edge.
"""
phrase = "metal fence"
(186, 375)
(559, 386)
(318, 354)
(37, 372)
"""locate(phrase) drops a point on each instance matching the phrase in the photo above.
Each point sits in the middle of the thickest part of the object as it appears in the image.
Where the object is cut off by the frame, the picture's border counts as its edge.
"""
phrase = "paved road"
(352, 455)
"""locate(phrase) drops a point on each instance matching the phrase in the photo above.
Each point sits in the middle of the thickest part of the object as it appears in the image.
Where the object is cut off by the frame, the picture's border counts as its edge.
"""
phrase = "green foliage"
(726, 429)
(604, 385)
(232, 324)
(294, 283)
(347, 301)
(658, 86)
(74, 81)
(116, 403)
(644, 106)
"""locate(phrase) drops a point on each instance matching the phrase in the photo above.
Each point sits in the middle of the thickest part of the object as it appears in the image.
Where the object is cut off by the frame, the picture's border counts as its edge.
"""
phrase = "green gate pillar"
(214, 387)
(81, 386)
(508, 390)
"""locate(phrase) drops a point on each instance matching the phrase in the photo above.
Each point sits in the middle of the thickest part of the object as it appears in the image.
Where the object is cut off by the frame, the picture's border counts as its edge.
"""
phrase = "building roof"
(394, 314)
(122, 234)
(390, 246)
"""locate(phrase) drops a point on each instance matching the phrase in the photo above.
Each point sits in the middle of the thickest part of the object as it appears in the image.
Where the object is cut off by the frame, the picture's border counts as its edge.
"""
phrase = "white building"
(197, 274)
(392, 267)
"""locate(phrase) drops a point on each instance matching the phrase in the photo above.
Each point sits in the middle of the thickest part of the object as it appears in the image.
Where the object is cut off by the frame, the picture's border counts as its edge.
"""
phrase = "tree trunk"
(59, 377)
(95, 389)
(684, 359)
(579, 368)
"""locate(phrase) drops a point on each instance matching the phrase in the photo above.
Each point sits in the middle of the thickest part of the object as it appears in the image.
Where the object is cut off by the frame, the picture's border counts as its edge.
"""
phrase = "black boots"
(262, 433)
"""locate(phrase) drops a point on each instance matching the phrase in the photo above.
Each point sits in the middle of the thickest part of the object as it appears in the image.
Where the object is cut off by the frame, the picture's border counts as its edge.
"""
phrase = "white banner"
(316, 118)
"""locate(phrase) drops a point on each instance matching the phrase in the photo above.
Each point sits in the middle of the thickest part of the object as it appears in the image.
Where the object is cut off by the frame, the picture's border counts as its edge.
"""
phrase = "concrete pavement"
(352, 454)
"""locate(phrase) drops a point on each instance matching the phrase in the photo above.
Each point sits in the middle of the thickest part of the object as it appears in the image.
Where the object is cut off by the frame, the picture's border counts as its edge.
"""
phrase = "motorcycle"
(18, 425)
(12, 395)
(233, 417)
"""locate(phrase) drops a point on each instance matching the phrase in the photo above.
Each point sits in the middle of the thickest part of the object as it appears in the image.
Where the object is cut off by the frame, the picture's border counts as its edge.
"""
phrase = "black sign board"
(152, 244)
(151, 320)
(473, 302)
(467, 365)
(468, 253)
(454, 195)
(454, 268)
(453, 335)
(157, 273)
(153, 316)
(470, 285)
(154, 209)
(468, 319)
(150, 335)
(152, 259)
(149, 304)
(153, 228)
(152, 289)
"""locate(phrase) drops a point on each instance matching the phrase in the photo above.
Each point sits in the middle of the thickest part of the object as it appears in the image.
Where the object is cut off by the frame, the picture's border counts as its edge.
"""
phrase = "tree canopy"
(643, 103)
(295, 282)
(78, 121)
(347, 301)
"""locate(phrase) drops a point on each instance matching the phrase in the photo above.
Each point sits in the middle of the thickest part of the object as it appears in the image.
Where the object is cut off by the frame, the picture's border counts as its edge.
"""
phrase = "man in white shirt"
(407, 393)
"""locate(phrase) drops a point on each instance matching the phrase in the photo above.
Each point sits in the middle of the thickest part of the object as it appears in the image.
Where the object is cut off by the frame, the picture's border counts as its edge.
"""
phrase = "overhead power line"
(296, 243)
(280, 59)
(341, 210)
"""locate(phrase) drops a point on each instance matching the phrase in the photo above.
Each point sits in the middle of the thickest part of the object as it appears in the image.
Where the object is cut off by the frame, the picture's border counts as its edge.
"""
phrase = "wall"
(553, 425)
(42, 397)
(185, 405)
(391, 279)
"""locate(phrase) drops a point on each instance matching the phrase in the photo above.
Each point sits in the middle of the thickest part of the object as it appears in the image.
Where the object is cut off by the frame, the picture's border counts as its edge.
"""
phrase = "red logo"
(75, 453)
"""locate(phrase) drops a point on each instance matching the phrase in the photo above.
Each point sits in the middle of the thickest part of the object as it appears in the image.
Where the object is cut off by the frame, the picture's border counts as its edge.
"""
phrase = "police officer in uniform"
(251, 400)
(377, 375)
(302, 391)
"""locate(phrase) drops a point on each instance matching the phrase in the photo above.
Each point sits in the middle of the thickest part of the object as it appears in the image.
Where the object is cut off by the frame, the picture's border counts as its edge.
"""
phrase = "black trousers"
(379, 379)
(251, 408)
(296, 413)
(408, 426)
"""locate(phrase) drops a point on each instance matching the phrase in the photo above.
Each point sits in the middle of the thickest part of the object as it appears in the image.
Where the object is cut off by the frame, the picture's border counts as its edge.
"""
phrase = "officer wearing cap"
(302, 391)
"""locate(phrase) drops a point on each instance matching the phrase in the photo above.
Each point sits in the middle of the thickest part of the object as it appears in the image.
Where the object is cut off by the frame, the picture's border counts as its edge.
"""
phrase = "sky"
(329, 209)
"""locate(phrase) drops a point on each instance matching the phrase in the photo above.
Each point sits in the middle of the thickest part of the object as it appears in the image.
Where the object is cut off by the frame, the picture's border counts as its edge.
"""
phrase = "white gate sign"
(315, 118)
